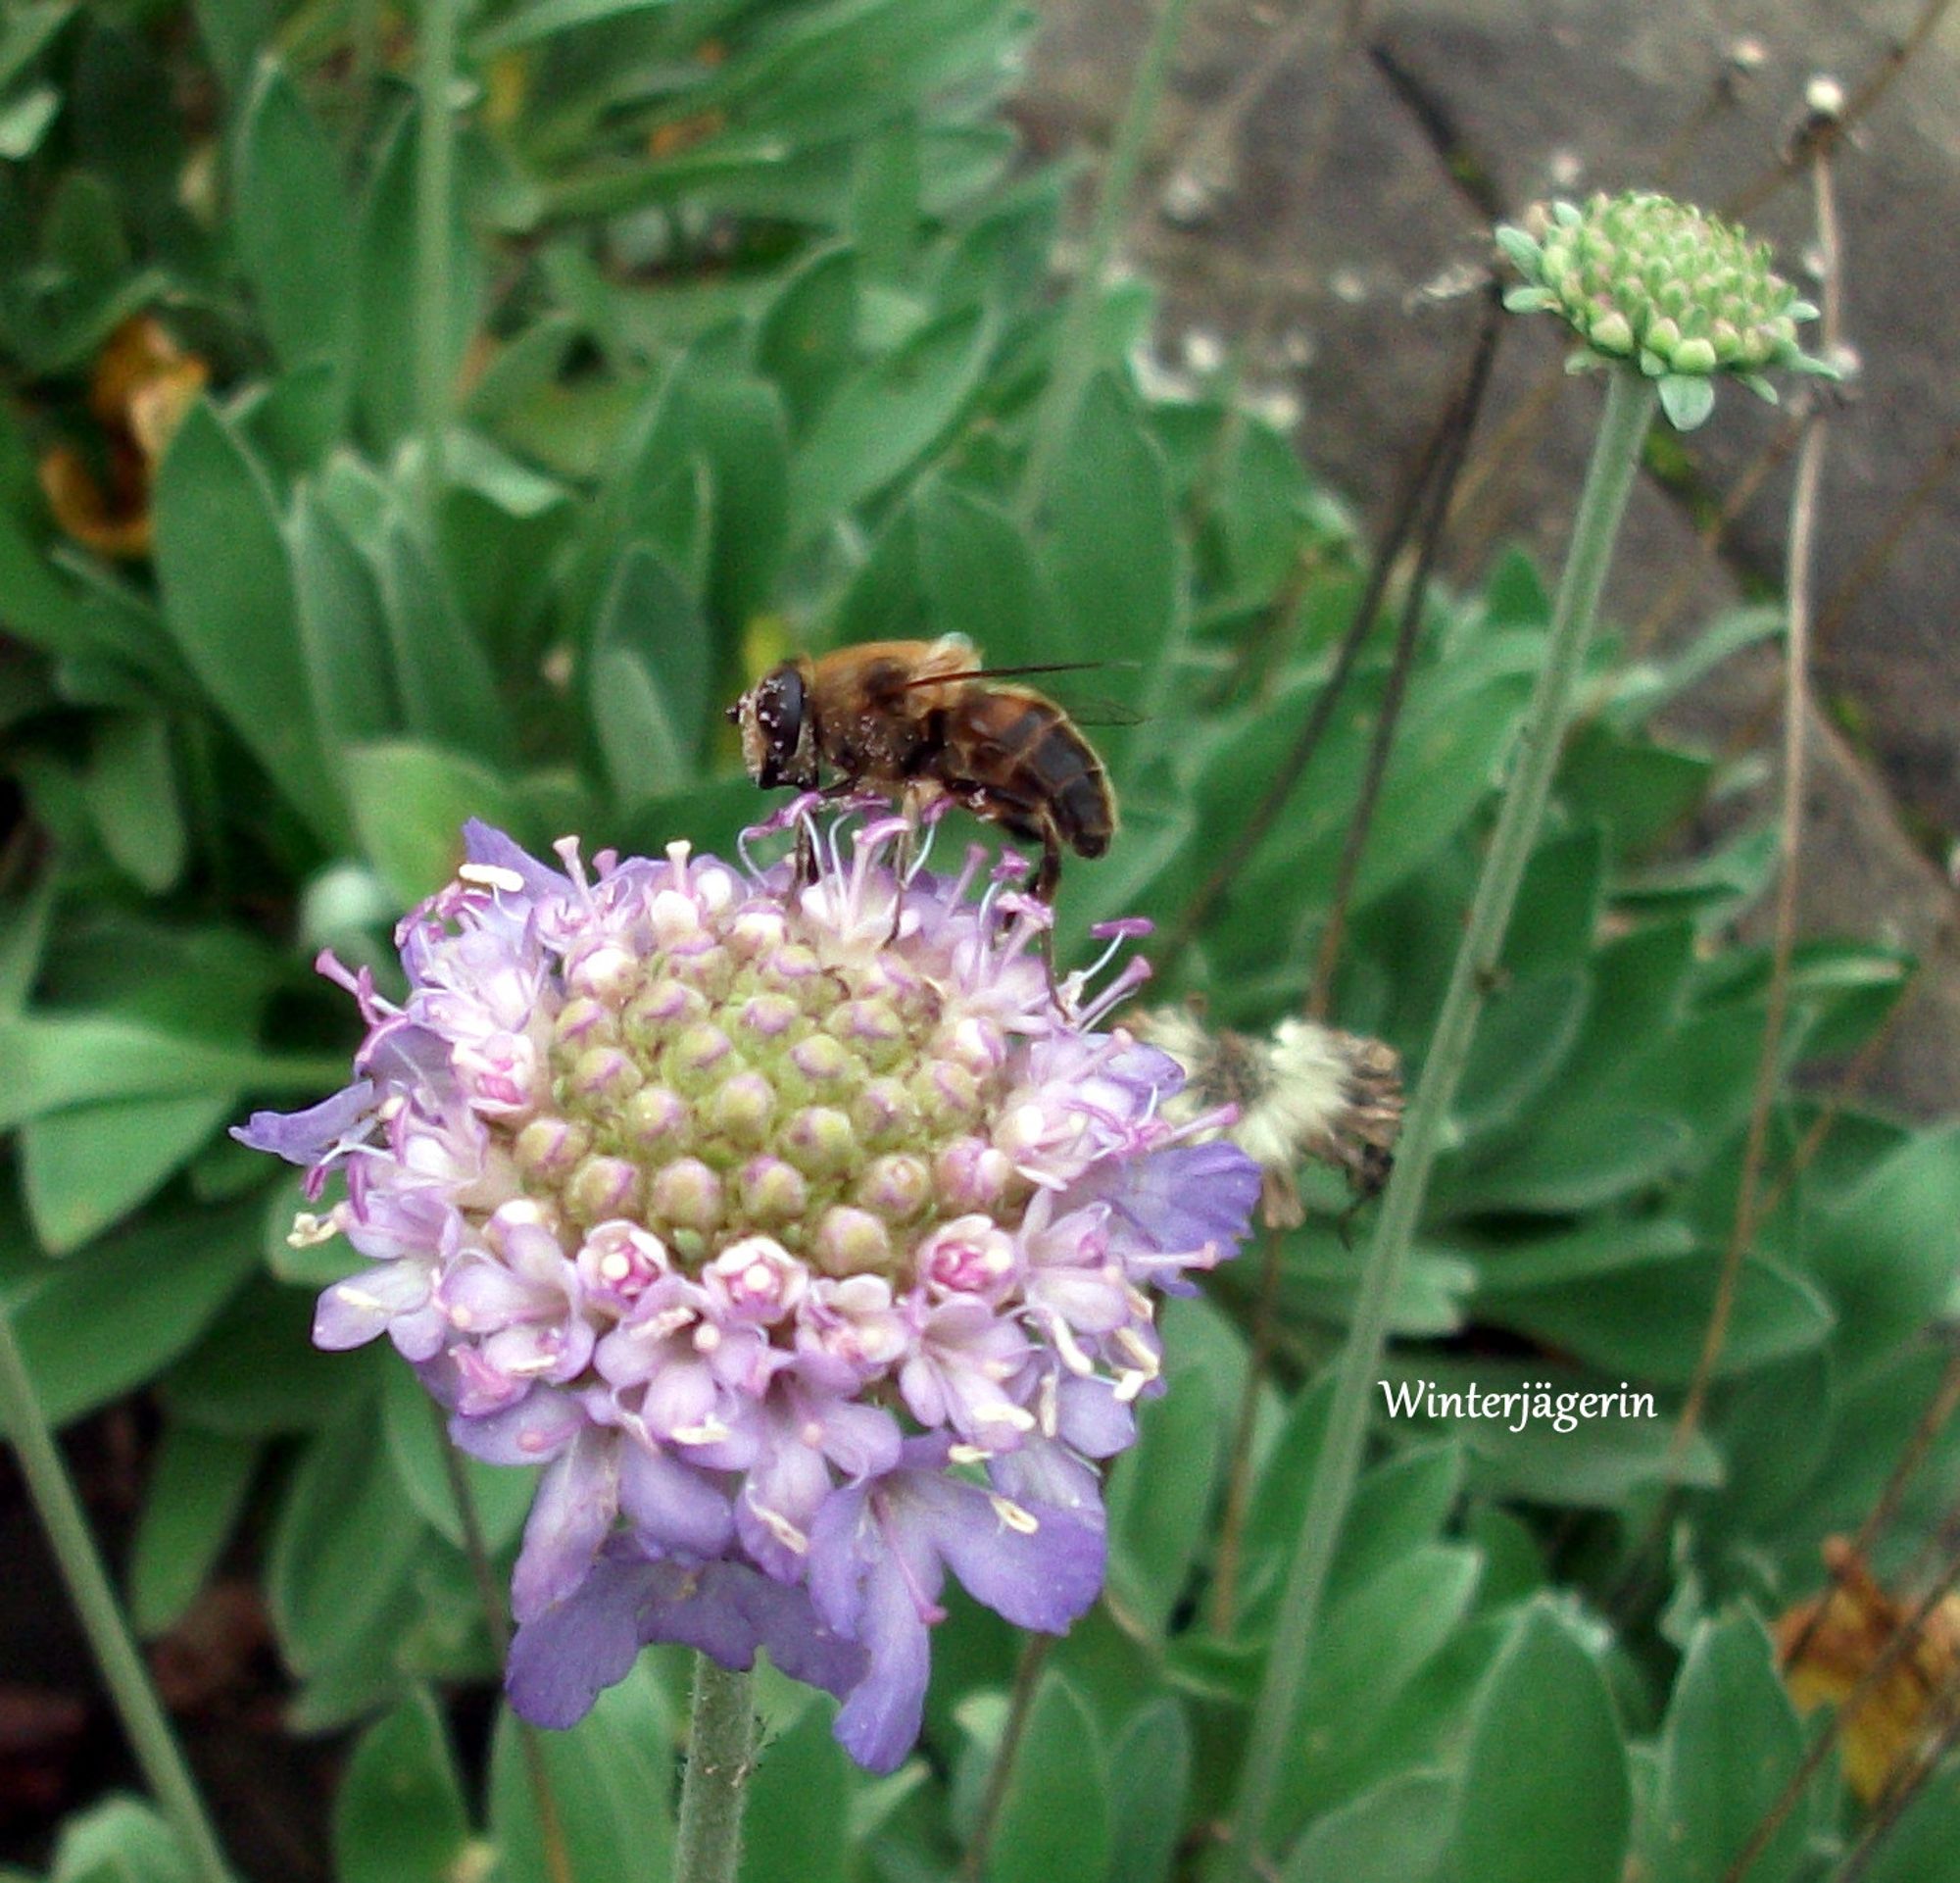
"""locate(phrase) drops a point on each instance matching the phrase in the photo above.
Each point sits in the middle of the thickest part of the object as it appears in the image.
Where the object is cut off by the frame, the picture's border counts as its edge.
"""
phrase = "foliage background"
(749, 328)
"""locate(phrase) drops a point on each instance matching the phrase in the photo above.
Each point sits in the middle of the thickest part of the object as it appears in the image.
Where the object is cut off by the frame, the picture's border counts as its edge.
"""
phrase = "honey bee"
(919, 719)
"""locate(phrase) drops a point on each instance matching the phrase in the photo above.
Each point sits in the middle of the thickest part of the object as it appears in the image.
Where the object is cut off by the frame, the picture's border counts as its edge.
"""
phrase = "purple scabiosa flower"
(804, 1230)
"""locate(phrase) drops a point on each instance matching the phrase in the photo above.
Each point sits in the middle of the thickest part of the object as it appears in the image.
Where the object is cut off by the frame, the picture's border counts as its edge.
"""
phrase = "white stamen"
(1023, 1523)
(491, 875)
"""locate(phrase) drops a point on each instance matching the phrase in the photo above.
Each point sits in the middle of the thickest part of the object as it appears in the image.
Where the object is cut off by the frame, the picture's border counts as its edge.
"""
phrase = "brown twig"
(1879, 552)
(1859, 106)
(1945, 1707)
(1904, 1640)
(1932, 1422)
(1293, 767)
(1463, 423)
(1797, 655)
(1239, 1479)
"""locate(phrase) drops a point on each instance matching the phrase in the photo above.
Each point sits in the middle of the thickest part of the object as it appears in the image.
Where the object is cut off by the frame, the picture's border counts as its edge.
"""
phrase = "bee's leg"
(805, 855)
(1047, 878)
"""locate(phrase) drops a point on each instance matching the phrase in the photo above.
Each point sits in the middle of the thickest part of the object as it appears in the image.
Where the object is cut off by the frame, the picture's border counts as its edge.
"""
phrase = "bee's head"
(778, 739)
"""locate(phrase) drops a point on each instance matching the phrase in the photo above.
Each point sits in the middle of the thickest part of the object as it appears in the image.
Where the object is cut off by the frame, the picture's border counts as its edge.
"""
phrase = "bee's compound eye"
(779, 706)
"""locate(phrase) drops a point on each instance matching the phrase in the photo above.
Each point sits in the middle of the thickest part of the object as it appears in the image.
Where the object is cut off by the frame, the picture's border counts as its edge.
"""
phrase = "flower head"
(805, 1230)
(1680, 293)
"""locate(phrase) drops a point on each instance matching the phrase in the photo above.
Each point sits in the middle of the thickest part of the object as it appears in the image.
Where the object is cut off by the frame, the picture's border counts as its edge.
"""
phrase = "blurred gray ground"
(1299, 202)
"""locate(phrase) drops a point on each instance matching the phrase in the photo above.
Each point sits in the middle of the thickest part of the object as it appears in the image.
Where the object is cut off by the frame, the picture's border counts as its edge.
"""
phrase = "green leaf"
(883, 420)
(1572, 1162)
(648, 683)
(400, 1817)
(1150, 1779)
(1730, 1742)
(1884, 1254)
(1112, 549)
(1545, 1796)
(293, 223)
(797, 1824)
(1687, 398)
(1522, 1038)
(1055, 1818)
(86, 1167)
(544, 19)
(198, 1481)
(52, 1064)
(343, 632)
(1396, 1833)
(343, 1548)
(1154, 1539)
(101, 1322)
(257, 1374)
(25, 118)
(130, 788)
(981, 580)
(610, 1777)
(410, 805)
(227, 588)
(448, 692)
(414, 1425)
(1601, 1247)
(119, 1841)
(1651, 1319)
(386, 312)
(806, 342)
(1379, 1637)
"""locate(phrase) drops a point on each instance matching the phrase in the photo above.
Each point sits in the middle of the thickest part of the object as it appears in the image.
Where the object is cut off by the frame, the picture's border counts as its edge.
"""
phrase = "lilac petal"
(305, 1137)
(1092, 1419)
(775, 1616)
(672, 1507)
(577, 1503)
(538, 1427)
(1041, 1570)
(1181, 1197)
(564, 1658)
(351, 1312)
(483, 843)
(877, 1582)
(879, 1722)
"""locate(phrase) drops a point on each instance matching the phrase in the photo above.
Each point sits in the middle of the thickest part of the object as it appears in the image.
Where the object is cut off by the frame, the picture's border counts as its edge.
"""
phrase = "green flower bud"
(1643, 276)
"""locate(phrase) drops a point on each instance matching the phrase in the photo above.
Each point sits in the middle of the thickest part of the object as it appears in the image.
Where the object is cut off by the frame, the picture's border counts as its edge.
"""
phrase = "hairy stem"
(164, 1768)
(720, 1756)
(1630, 403)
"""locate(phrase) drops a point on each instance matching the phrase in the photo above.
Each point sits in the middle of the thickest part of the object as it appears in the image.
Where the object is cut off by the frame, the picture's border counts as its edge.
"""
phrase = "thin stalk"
(435, 186)
(1402, 663)
(164, 1768)
(1075, 345)
(1238, 1478)
(1306, 742)
(1027, 1680)
(1630, 405)
(497, 1621)
(720, 1756)
(1795, 713)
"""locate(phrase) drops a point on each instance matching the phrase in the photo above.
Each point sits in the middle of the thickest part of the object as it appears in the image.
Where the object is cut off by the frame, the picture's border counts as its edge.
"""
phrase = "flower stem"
(1075, 345)
(1027, 1679)
(1630, 403)
(720, 1756)
(497, 1623)
(435, 182)
(143, 1719)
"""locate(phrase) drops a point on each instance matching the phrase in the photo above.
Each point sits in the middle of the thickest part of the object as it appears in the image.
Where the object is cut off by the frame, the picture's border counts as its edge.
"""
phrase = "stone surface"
(1302, 200)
